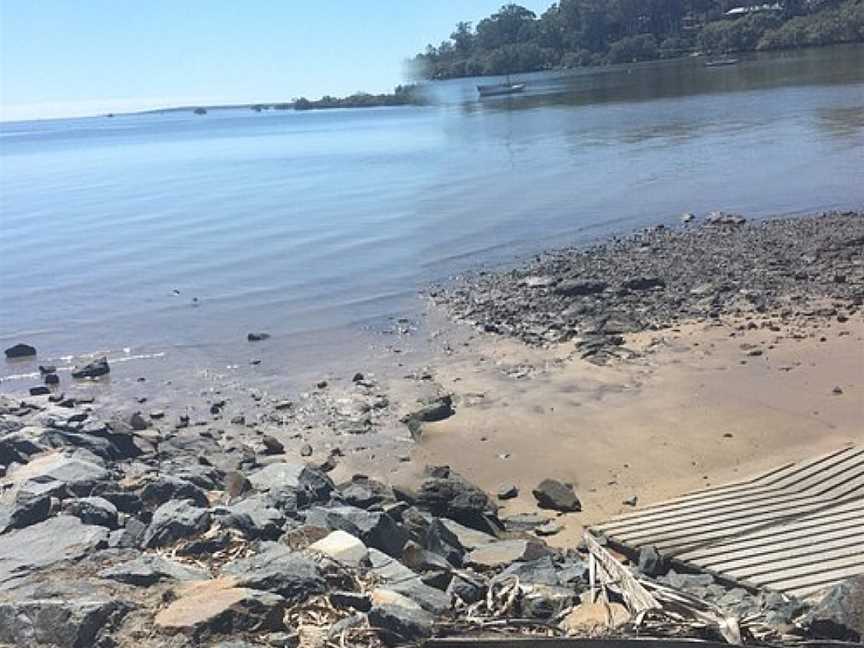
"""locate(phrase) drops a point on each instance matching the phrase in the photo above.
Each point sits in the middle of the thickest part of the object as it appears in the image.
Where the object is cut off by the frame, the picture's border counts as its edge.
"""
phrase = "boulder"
(219, 607)
(534, 572)
(376, 530)
(20, 509)
(453, 497)
(174, 521)
(278, 569)
(552, 494)
(94, 369)
(80, 476)
(469, 588)
(93, 510)
(20, 351)
(68, 622)
(314, 484)
(343, 547)
(839, 614)
(444, 542)
(399, 625)
(149, 569)
(166, 488)
(651, 563)
(505, 552)
(37, 546)
(266, 521)
(588, 617)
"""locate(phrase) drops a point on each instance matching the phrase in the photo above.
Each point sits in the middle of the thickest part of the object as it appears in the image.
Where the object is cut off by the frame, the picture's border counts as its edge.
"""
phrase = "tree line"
(573, 33)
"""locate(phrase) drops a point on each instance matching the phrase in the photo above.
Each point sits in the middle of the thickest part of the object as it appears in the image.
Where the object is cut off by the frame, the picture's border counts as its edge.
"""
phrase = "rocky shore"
(785, 274)
(241, 519)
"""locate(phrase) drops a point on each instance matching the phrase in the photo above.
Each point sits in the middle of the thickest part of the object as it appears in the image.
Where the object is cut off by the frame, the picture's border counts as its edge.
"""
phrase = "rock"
(174, 521)
(343, 547)
(257, 337)
(93, 510)
(350, 600)
(306, 450)
(469, 588)
(166, 488)
(39, 391)
(278, 569)
(236, 484)
(20, 351)
(499, 554)
(839, 614)
(364, 492)
(92, 370)
(313, 483)
(398, 625)
(437, 410)
(37, 546)
(443, 541)
(272, 445)
(549, 528)
(138, 422)
(837, 390)
(51, 379)
(71, 621)
(546, 601)
(456, 498)
(267, 521)
(552, 494)
(579, 288)
(467, 538)
(651, 563)
(718, 219)
(688, 218)
(217, 607)
(21, 509)
(148, 569)
(419, 559)
(589, 617)
(534, 572)
(643, 283)
(80, 476)
(508, 492)
(376, 530)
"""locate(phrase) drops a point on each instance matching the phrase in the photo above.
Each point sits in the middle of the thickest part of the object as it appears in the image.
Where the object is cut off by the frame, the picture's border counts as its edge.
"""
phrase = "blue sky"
(64, 58)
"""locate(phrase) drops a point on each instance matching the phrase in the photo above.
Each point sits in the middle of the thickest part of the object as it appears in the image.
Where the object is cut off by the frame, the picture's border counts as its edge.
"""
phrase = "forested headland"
(573, 33)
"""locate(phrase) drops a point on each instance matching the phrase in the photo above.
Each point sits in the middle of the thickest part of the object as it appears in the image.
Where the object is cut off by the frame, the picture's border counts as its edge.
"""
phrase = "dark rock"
(456, 498)
(277, 569)
(580, 287)
(39, 391)
(257, 337)
(537, 572)
(400, 625)
(643, 283)
(508, 492)
(468, 587)
(94, 369)
(313, 483)
(22, 510)
(350, 600)
(20, 351)
(306, 450)
(437, 410)
(651, 563)
(840, 612)
(138, 422)
(422, 560)
(148, 569)
(93, 510)
(51, 379)
(174, 521)
(272, 445)
(376, 530)
(69, 622)
(445, 543)
(266, 520)
(166, 488)
(47, 369)
(552, 494)
(79, 476)
(364, 492)
(544, 601)
(131, 535)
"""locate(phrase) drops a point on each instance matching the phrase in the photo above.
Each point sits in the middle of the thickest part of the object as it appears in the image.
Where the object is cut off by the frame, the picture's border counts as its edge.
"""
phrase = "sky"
(61, 58)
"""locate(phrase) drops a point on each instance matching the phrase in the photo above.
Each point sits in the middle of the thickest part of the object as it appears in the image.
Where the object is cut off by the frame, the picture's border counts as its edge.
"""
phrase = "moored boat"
(496, 89)
(721, 62)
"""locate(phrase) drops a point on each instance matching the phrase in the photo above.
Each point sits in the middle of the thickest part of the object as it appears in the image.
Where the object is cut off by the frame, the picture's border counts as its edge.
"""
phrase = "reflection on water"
(304, 224)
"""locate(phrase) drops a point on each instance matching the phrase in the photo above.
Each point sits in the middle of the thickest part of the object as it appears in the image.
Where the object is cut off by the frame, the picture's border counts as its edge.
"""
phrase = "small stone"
(549, 528)
(508, 492)
(47, 369)
(138, 422)
(398, 624)
(157, 415)
(41, 390)
(552, 494)
(257, 337)
(837, 390)
(358, 377)
(272, 445)
(52, 379)
(306, 450)
(20, 351)
(632, 501)
(321, 384)
(94, 369)
(343, 547)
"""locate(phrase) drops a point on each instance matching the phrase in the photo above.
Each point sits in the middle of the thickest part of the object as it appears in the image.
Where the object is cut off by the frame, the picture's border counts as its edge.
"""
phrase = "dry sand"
(696, 410)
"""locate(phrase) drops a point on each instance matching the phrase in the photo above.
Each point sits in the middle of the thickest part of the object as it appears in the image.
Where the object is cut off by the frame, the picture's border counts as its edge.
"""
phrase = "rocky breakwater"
(790, 275)
(113, 534)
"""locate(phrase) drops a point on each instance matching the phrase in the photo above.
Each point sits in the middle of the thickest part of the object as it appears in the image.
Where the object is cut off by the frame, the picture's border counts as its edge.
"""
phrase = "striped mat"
(795, 529)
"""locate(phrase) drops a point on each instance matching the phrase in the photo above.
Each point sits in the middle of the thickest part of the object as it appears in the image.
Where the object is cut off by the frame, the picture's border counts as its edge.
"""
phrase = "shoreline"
(649, 385)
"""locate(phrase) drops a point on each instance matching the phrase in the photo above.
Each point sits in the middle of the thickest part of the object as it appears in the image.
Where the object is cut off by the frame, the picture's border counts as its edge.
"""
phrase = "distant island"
(574, 33)
(402, 95)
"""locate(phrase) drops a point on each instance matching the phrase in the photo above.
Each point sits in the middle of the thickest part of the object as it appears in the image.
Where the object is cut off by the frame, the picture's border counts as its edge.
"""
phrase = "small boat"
(721, 62)
(497, 89)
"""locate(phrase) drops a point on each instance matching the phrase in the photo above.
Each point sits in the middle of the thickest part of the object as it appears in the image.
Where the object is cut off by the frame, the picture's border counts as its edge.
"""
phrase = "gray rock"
(68, 622)
(21, 509)
(534, 572)
(94, 369)
(579, 288)
(840, 612)
(499, 554)
(80, 476)
(400, 625)
(131, 535)
(174, 521)
(508, 492)
(149, 569)
(468, 587)
(545, 601)
(278, 569)
(93, 510)
(643, 283)
(552, 494)
(454, 497)
(267, 520)
(350, 600)
(166, 488)
(314, 484)
(651, 562)
(37, 546)
(376, 530)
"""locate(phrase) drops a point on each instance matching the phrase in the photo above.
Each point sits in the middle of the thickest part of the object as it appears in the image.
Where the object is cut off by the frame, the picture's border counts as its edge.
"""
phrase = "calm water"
(308, 224)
